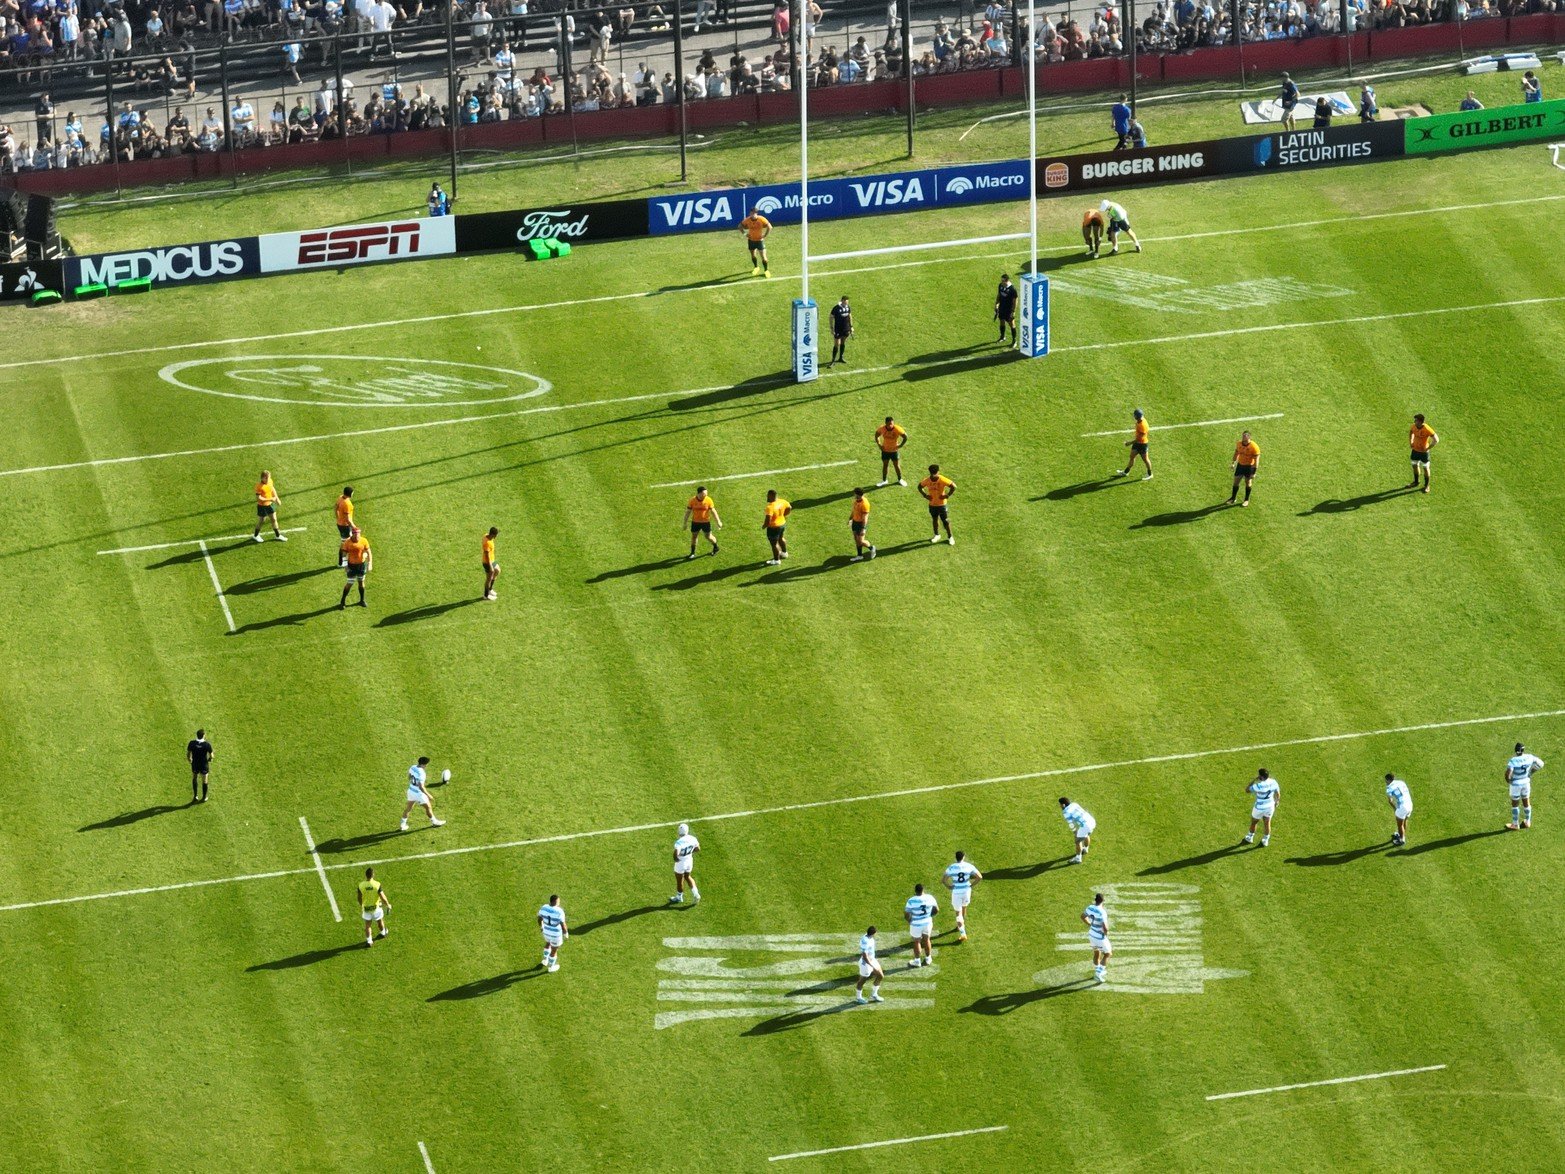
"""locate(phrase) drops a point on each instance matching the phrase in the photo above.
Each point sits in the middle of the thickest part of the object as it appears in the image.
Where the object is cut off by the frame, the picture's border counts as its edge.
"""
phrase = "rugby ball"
(445, 776)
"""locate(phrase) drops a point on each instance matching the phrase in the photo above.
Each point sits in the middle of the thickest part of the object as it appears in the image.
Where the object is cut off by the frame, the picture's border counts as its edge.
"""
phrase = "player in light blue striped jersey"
(869, 968)
(1096, 919)
(960, 879)
(1265, 789)
(1401, 799)
(919, 913)
(1518, 773)
(1081, 824)
(685, 849)
(551, 920)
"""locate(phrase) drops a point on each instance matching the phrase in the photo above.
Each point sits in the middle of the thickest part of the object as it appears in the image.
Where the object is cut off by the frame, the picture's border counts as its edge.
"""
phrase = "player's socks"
(695, 893)
(874, 996)
(871, 552)
(1516, 814)
(1265, 840)
(859, 998)
(203, 794)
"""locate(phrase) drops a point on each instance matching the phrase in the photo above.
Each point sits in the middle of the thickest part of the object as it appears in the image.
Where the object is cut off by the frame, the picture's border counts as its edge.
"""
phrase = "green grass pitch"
(830, 711)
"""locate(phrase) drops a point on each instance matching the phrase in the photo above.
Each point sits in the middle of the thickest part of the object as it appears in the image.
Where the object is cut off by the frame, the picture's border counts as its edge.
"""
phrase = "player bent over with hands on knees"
(1081, 824)
(1400, 797)
(685, 849)
(869, 969)
(1119, 221)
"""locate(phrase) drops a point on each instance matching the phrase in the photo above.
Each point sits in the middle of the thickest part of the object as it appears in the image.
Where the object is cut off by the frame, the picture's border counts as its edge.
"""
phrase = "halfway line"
(1255, 1092)
(567, 837)
(217, 586)
(309, 842)
(192, 542)
(762, 473)
(1192, 424)
(875, 1145)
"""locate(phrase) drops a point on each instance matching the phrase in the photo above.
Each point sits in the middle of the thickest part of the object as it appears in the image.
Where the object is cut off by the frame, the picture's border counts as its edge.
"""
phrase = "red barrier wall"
(1103, 74)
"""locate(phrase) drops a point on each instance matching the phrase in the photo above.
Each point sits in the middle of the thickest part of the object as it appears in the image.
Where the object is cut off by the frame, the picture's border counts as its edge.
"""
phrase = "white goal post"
(1033, 328)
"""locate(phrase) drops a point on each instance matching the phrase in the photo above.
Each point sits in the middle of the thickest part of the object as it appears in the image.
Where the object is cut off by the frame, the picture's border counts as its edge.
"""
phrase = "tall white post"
(1033, 333)
(806, 323)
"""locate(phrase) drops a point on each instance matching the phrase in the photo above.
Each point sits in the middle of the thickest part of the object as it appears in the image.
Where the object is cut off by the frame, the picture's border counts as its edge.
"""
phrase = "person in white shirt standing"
(1518, 773)
(1265, 789)
(960, 879)
(869, 969)
(418, 794)
(1096, 919)
(551, 922)
(685, 849)
(1401, 800)
(1081, 824)
(919, 913)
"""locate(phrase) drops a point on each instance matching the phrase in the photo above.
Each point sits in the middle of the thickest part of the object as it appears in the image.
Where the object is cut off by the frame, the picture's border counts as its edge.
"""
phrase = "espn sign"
(358, 244)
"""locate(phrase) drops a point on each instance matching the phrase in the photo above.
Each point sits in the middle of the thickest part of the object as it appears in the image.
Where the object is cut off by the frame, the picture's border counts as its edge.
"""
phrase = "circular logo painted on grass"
(354, 381)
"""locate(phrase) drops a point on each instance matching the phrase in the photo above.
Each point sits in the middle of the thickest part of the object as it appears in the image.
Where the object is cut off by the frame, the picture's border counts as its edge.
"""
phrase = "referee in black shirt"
(199, 752)
(841, 330)
(1005, 307)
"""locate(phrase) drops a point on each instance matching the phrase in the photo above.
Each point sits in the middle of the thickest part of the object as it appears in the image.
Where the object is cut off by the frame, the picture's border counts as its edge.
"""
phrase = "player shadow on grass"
(624, 915)
(946, 356)
(804, 503)
(272, 582)
(1066, 492)
(1347, 856)
(1005, 1004)
(799, 1018)
(718, 575)
(428, 611)
(1448, 842)
(639, 569)
(309, 958)
(195, 554)
(1196, 861)
(1018, 872)
(1180, 517)
(129, 817)
(367, 840)
(1336, 505)
(1074, 257)
(960, 366)
(834, 562)
(487, 986)
(297, 617)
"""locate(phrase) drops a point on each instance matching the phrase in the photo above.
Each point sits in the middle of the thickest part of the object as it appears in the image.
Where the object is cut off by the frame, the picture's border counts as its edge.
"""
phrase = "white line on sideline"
(193, 542)
(566, 837)
(309, 842)
(1191, 424)
(429, 1167)
(875, 1145)
(217, 586)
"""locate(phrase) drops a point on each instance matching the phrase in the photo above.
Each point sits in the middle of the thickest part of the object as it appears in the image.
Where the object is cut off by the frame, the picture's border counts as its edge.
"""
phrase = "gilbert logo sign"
(1485, 128)
(356, 244)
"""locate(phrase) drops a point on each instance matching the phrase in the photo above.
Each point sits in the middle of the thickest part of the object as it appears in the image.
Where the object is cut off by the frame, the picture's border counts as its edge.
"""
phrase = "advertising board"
(1484, 128)
(358, 244)
(574, 223)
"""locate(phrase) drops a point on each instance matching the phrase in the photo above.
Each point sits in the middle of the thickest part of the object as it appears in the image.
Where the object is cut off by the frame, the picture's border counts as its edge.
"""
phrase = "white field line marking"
(743, 476)
(875, 1145)
(1255, 1092)
(217, 586)
(598, 403)
(1362, 318)
(1192, 424)
(429, 1167)
(956, 244)
(566, 837)
(723, 285)
(192, 542)
(320, 868)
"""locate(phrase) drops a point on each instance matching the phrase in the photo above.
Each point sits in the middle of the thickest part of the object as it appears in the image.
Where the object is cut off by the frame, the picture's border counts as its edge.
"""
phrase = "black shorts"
(1244, 470)
(756, 246)
(1006, 315)
(700, 527)
(490, 568)
(938, 512)
(202, 768)
(1420, 458)
(839, 337)
(344, 532)
(1119, 225)
(775, 533)
(356, 570)
(1138, 448)
(265, 511)
(856, 527)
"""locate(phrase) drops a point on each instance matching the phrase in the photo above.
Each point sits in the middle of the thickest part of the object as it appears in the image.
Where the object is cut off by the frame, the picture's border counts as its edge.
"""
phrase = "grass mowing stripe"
(217, 585)
(1255, 1092)
(320, 869)
(1191, 424)
(875, 1145)
(567, 837)
(762, 473)
(721, 284)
